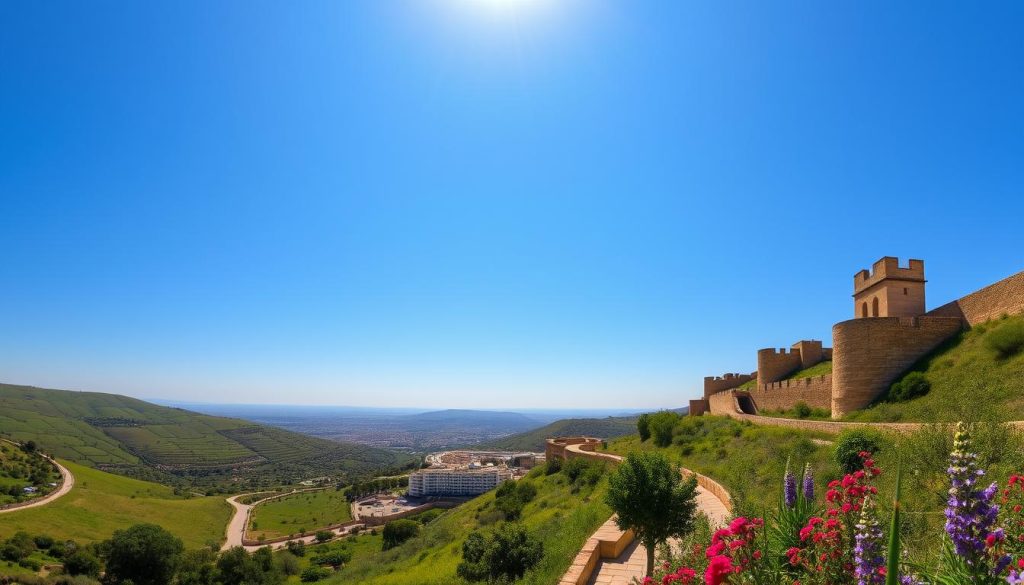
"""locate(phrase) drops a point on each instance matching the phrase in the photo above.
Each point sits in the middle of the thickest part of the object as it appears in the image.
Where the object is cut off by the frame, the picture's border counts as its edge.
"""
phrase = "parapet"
(888, 268)
(713, 384)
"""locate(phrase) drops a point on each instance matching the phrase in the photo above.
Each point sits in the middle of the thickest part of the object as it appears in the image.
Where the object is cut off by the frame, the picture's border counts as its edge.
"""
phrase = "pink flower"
(718, 571)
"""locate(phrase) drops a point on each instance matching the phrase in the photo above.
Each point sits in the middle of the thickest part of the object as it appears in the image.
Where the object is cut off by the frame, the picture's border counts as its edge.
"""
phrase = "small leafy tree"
(643, 426)
(851, 443)
(649, 497)
(323, 535)
(144, 554)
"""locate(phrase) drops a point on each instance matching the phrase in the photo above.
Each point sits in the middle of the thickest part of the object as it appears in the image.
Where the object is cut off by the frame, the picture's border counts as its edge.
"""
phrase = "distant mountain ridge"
(136, 438)
(534, 440)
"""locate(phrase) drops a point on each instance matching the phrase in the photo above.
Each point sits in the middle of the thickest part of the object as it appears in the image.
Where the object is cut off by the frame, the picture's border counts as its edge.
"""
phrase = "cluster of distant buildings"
(468, 473)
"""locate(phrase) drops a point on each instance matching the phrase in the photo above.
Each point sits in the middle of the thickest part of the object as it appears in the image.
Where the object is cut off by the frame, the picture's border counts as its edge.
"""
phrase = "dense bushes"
(850, 443)
(500, 557)
(1007, 340)
(660, 425)
(913, 385)
(314, 574)
(398, 531)
(144, 554)
(511, 497)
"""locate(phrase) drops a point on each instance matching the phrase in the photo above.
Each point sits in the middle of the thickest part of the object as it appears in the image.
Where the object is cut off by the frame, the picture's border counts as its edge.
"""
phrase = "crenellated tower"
(889, 290)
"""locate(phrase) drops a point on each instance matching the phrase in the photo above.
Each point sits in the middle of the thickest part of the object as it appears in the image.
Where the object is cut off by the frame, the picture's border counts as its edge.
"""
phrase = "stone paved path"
(633, 561)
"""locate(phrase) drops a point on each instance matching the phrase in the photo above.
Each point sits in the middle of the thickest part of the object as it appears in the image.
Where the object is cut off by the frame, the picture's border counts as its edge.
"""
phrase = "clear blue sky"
(544, 203)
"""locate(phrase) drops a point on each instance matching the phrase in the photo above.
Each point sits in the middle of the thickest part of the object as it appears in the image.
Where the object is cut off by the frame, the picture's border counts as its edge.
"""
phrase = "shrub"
(43, 541)
(503, 556)
(662, 424)
(398, 531)
(1007, 340)
(323, 535)
(82, 563)
(334, 558)
(526, 491)
(297, 547)
(643, 426)
(314, 574)
(850, 443)
(554, 465)
(801, 409)
(913, 385)
(288, 563)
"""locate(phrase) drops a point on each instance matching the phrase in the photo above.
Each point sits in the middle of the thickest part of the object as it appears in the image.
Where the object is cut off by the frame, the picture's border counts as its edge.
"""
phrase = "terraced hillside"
(605, 428)
(979, 375)
(136, 438)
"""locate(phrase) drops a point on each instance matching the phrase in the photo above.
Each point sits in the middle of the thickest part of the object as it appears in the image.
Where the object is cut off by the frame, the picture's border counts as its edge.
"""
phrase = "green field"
(299, 513)
(969, 381)
(171, 445)
(561, 518)
(101, 503)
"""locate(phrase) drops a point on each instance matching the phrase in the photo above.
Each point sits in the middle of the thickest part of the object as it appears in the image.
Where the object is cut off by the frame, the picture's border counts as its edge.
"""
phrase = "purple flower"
(789, 487)
(867, 550)
(970, 513)
(808, 483)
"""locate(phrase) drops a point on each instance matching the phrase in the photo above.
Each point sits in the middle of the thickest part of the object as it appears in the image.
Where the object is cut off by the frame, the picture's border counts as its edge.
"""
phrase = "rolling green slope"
(562, 516)
(970, 379)
(101, 503)
(604, 428)
(136, 438)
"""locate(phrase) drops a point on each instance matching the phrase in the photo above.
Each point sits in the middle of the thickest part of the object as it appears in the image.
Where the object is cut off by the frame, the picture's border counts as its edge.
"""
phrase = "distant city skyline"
(554, 204)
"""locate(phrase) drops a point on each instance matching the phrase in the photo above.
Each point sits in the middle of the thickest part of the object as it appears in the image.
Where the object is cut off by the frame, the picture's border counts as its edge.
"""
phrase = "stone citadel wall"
(991, 302)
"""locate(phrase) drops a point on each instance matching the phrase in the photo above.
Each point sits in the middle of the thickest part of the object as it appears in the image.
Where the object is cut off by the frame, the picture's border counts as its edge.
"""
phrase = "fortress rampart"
(890, 331)
(816, 392)
(871, 353)
(991, 302)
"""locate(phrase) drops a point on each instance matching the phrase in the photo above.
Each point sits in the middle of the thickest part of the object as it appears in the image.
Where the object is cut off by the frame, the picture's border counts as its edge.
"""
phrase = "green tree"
(82, 563)
(398, 531)
(323, 535)
(504, 556)
(643, 426)
(197, 567)
(662, 424)
(649, 497)
(314, 574)
(237, 567)
(144, 554)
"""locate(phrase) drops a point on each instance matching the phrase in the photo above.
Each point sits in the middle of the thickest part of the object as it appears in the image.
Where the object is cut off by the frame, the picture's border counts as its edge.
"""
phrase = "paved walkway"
(633, 561)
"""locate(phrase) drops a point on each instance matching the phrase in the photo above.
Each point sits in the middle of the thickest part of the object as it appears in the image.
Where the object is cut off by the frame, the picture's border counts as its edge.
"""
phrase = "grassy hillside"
(971, 379)
(605, 428)
(133, 437)
(20, 469)
(100, 503)
(748, 460)
(561, 515)
(300, 512)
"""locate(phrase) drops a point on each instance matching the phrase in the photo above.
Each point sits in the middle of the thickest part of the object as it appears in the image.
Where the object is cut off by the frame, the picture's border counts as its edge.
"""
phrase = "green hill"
(562, 516)
(132, 437)
(977, 375)
(101, 503)
(604, 428)
(21, 469)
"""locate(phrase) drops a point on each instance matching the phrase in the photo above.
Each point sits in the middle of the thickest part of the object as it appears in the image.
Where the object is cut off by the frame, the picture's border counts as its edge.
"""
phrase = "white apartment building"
(456, 482)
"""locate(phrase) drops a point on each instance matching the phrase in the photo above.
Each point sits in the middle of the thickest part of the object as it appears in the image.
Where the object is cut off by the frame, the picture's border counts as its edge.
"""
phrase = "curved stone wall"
(869, 354)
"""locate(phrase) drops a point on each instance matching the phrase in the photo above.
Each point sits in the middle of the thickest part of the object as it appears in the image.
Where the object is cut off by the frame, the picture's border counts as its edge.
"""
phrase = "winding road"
(235, 532)
(67, 482)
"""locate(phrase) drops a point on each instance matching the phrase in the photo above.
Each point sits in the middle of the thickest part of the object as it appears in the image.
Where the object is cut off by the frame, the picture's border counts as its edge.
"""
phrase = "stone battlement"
(888, 268)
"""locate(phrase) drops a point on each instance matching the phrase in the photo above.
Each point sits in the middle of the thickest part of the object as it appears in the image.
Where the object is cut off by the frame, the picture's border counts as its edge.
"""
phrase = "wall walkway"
(610, 556)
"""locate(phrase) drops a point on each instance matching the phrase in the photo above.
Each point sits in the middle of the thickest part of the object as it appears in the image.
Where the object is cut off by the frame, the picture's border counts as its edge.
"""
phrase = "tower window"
(905, 291)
